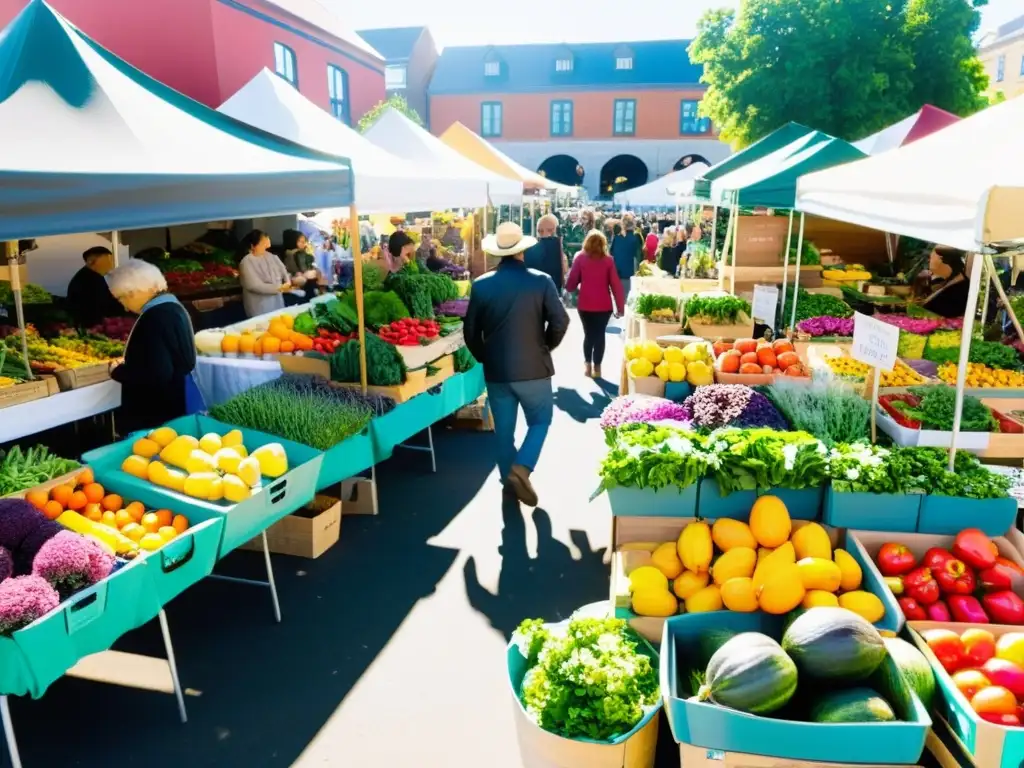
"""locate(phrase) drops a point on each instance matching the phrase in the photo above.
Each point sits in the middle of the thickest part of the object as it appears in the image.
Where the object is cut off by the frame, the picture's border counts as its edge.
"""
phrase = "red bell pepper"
(996, 578)
(912, 609)
(939, 611)
(967, 609)
(895, 559)
(954, 577)
(935, 557)
(975, 548)
(1009, 564)
(1004, 607)
(920, 585)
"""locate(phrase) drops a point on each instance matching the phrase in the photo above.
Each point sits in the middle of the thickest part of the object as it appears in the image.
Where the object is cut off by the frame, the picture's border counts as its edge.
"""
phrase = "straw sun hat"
(508, 240)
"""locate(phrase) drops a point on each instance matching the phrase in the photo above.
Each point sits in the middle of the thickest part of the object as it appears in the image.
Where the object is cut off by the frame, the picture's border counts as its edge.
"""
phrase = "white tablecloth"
(219, 378)
(39, 415)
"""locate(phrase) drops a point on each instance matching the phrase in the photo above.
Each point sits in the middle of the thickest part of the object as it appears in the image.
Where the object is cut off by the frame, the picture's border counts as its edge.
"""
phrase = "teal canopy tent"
(93, 144)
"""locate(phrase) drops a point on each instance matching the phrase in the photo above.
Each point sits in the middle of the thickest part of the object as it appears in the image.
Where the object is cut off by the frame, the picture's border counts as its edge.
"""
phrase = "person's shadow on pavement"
(570, 402)
(549, 587)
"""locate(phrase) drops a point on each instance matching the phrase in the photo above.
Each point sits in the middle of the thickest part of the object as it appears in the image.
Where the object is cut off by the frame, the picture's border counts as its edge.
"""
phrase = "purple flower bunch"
(921, 326)
(633, 410)
(24, 599)
(735, 405)
(826, 326)
(69, 561)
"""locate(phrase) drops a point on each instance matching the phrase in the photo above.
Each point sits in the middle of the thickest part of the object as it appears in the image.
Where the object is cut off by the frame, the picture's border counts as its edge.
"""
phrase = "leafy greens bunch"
(20, 470)
(656, 457)
(586, 679)
(716, 310)
(938, 404)
(864, 468)
(647, 303)
(990, 353)
(385, 366)
(926, 470)
(810, 305)
(752, 459)
(833, 414)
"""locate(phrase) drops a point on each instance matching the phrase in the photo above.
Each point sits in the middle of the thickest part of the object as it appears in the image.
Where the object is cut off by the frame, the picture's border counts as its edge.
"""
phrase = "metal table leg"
(256, 582)
(172, 665)
(12, 745)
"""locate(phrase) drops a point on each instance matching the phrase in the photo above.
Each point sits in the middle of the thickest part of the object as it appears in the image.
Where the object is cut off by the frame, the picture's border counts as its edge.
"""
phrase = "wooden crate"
(476, 416)
(317, 367)
(24, 393)
(86, 376)
(308, 533)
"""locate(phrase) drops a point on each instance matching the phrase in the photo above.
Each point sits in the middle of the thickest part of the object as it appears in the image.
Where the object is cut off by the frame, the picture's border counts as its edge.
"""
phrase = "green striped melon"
(856, 705)
(750, 673)
(834, 645)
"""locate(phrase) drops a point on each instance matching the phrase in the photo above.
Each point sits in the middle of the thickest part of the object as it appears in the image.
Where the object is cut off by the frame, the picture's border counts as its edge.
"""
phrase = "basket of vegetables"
(719, 317)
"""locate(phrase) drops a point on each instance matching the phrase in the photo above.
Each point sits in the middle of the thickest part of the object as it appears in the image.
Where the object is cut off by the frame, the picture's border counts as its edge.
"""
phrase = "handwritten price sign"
(874, 343)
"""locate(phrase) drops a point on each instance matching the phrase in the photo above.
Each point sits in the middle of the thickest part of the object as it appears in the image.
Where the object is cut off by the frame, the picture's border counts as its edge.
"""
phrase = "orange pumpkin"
(729, 362)
(782, 345)
(748, 357)
(745, 345)
(787, 359)
(766, 357)
(796, 370)
(287, 347)
(721, 347)
(751, 368)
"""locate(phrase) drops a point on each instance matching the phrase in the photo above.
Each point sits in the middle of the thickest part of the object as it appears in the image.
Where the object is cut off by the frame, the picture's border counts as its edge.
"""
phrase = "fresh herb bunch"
(863, 468)
(926, 470)
(810, 305)
(373, 276)
(385, 366)
(20, 470)
(379, 307)
(647, 303)
(990, 353)
(911, 345)
(303, 409)
(586, 679)
(720, 310)
(938, 404)
(335, 315)
(810, 257)
(761, 459)
(832, 414)
(463, 360)
(648, 456)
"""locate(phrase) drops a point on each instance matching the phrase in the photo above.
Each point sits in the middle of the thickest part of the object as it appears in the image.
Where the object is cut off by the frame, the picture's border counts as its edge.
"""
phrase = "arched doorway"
(563, 169)
(688, 160)
(622, 172)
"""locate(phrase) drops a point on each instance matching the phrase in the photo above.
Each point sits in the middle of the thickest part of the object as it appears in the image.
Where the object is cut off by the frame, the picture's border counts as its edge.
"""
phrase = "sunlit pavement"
(391, 649)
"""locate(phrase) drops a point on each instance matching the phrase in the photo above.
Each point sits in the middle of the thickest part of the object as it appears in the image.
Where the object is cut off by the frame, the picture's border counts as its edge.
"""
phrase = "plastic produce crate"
(180, 563)
(268, 504)
(347, 459)
(873, 511)
(407, 419)
(804, 504)
(670, 501)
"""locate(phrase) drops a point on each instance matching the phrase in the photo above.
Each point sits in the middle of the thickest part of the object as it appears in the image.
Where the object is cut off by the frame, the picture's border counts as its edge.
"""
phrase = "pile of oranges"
(87, 497)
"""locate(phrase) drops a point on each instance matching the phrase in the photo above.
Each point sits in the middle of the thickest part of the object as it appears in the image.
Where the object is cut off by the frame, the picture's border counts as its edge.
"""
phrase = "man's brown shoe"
(519, 480)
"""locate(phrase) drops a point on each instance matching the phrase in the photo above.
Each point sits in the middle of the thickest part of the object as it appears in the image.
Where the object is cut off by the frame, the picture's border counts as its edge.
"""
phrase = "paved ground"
(391, 652)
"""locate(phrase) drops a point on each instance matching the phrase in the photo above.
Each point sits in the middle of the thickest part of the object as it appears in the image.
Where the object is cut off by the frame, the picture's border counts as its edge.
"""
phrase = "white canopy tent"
(400, 136)
(663, 191)
(386, 184)
(918, 191)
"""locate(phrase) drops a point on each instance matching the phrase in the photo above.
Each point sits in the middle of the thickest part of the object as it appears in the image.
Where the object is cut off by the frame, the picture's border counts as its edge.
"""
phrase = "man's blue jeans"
(538, 402)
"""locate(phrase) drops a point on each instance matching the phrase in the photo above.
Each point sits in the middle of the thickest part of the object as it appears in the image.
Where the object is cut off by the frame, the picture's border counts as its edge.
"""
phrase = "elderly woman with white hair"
(547, 255)
(160, 352)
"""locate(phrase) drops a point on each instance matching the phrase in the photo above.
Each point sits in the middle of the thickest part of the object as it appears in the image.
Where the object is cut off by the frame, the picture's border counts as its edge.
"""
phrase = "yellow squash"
(782, 591)
(736, 563)
(690, 583)
(812, 540)
(864, 604)
(704, 601)
(738, 595)
(695, 547)
(770, 522)
(729, 534)
(818, 573)
(850, 570)
(666, 560)
(654, 602)
(783, 556)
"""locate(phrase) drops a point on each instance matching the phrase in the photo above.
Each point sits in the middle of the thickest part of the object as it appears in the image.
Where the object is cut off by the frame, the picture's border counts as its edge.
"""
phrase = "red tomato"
(979, 646)
(994, 700)
(947, 647)
(970, 681)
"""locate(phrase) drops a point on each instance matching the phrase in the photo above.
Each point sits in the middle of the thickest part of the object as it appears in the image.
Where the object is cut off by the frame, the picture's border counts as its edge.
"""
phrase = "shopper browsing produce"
(401, 251)
(89, 297)
(160, 352)
(300, 262)
(593, 273)
(950, 285)
(264, 278)
(515, 318)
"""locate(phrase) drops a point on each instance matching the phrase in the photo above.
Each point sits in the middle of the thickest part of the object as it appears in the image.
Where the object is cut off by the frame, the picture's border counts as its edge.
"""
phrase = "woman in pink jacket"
(593, 273)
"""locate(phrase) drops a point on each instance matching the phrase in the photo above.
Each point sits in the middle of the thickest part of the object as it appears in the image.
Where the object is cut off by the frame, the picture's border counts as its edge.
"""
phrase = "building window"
(689, 121)
(1000, 69)
(624, 62)
(395, 76)
(337, 85)
(492, 68)
(490, 119)
(563, 65)
(625, 117)
(284, 63)
(561, 118)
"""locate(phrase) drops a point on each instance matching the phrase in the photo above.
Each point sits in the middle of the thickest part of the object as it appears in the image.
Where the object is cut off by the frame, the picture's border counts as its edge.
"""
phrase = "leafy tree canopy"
(847, 68)
(396, 102)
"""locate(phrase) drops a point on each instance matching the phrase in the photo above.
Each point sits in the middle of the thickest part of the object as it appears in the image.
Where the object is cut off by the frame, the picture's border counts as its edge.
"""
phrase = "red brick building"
(607, 116)
(208, 49)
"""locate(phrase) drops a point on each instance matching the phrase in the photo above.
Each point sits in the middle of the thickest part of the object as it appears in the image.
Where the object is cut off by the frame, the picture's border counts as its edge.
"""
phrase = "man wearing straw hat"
(515, 318)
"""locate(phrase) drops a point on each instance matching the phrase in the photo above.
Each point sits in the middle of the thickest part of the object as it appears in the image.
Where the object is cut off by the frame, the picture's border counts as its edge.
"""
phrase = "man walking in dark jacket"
(515, 318)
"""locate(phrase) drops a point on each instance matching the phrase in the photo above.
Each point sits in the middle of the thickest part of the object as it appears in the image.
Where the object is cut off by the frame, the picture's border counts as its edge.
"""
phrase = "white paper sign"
(874, 343)
(766, 301)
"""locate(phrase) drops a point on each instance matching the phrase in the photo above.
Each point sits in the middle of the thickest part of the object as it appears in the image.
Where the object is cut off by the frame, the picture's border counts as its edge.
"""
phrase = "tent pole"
(714, 230)
(11, 247)
(115, 245)
(1002, 296)
(965, 354)
(985, 274)
(357, 268)
(796, 276)
(725, 252)
(735, 240)
(785, 267)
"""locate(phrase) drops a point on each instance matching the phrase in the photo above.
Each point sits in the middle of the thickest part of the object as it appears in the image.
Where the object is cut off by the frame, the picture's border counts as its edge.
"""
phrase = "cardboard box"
(308, 533)
(699, 757)
(357, 497)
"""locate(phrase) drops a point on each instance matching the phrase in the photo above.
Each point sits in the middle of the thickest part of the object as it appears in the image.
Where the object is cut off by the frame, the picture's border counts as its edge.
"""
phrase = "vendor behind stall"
(300, 261)
(89, 298)
(264, 278)
(948, 297)
(401, 250)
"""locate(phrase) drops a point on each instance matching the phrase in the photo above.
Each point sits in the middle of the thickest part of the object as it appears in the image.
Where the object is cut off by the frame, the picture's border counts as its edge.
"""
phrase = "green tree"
(847, 68)
(396, 102)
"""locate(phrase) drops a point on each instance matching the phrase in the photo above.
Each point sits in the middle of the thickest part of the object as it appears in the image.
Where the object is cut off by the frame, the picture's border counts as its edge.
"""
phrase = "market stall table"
(37, 416)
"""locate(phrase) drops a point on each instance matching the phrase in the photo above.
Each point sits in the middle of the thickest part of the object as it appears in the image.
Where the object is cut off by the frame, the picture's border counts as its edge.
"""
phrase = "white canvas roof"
(400, 136)
(923, 191)
(657, 192)
(383, 183)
